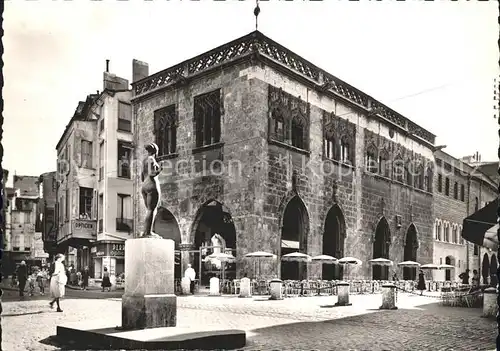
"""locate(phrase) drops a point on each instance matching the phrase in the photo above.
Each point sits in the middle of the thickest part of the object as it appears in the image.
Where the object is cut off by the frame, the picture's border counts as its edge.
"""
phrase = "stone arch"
(485, 269)
(166, 225)
(410, 252)
(381, 245)
(294, 232)
(334, 242)
(448, 272)
(493, 270)
(213, 219)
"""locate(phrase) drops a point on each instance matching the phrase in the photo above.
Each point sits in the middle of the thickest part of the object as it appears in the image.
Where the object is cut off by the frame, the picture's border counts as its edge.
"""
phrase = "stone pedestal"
(245, 287)
(343, 294)
(214, 287)
(388, 297)
(276, 291)
(186, 286)
(149, 300)
(490, 307)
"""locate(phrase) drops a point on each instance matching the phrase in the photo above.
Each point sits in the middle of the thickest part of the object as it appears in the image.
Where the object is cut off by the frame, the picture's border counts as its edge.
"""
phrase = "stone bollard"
(214, 286)
(343, 294)
(276, 293)
(490, 307)
(186, 286)
(388, 297)
(245, 287)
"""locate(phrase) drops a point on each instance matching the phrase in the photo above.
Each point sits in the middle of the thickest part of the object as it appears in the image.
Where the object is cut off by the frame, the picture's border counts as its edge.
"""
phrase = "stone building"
(94, 195)
(461, 190)
(263, 151)
(20, 223)
(47, 211)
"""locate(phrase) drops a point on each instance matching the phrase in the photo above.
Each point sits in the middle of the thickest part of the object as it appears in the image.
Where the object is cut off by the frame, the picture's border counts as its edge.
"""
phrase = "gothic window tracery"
(409, 173)
(371, 161)
(207, 118)
(428, 180)
(384, 164)
(398, 169)
(165, 130)
(288, 119)
(338, 139)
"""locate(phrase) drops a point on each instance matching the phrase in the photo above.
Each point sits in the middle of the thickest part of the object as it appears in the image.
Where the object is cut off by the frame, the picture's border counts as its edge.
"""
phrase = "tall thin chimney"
(107, 66)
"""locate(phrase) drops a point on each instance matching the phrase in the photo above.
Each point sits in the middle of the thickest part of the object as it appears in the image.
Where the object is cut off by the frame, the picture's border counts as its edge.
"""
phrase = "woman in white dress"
(58, 281)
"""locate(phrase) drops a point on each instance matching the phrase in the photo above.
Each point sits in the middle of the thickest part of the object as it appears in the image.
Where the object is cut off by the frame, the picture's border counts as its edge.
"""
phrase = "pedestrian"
(191, 274)
(13, 281)
(31, 283)
(395, 277)
(58, 282)
(421, 282)
(475, 278)
(40, 278)
(465, 277)
(85, 278)
(22, 276)
(106, 282)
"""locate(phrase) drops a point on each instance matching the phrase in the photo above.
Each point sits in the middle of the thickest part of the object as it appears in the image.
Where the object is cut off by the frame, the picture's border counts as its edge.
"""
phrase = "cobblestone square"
(295, 323)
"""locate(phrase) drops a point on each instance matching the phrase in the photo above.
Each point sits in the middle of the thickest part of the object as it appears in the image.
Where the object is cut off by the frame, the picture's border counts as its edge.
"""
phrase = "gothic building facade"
(263, 151)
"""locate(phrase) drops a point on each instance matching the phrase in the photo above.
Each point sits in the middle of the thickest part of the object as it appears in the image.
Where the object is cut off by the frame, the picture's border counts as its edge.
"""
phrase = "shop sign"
(107, 249)
(117, 250)
(84, 228)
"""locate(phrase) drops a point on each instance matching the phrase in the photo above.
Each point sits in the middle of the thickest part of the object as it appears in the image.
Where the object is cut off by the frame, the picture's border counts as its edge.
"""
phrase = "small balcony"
(124, 225)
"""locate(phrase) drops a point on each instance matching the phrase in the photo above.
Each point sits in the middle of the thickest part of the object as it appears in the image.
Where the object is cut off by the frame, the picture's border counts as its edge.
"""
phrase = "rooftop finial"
(256, 12)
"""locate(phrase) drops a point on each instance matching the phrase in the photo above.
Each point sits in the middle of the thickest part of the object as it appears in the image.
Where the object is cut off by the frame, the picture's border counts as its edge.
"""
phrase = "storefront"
(110, 254)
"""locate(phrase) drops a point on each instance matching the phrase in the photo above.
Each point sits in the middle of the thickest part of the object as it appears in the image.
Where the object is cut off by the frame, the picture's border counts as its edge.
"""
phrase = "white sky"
(445, 52)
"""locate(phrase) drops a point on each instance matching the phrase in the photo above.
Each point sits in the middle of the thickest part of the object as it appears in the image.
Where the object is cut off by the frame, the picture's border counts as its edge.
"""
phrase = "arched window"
(330, 148)
(371, 159)
(166, 130)
(398, 169)
(298, 132)
(419, 178)
(345, 150)
(446, 232)
(428, 180)
(384, 164)
(277, 125)
(454, 238)
(409, 175)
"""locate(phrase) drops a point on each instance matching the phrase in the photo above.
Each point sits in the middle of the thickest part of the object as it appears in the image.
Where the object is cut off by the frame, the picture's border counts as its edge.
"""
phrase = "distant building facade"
(21, 220)
(461, 190)
(94, 208)
(47, 211)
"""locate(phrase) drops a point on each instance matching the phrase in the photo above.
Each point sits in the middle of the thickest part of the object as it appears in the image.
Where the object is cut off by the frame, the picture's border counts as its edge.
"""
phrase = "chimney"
(107, 66)
(140, 70)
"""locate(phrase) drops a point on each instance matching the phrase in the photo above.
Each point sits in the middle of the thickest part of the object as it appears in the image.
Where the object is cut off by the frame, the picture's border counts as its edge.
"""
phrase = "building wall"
(28, 185)
(257, 198)
(111, 184)
(451, 211)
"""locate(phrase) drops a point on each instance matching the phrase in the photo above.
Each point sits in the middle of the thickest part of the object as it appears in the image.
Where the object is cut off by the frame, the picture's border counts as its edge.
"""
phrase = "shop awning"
(481, 227)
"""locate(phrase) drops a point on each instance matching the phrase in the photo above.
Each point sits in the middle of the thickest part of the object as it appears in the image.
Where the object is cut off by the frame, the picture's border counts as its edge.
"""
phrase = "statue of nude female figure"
(150, 187)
